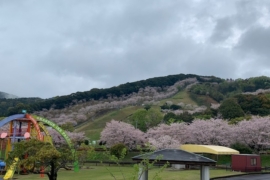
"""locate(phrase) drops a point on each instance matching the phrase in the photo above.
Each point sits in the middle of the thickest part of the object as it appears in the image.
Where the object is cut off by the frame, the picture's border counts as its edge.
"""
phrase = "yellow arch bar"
(47, 137)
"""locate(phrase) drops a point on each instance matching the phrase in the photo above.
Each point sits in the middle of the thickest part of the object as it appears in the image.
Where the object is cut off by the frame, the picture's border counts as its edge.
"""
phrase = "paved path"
(249, 177)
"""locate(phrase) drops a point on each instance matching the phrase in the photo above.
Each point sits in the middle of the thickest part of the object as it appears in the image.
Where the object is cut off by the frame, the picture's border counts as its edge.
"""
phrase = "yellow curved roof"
(210, 149)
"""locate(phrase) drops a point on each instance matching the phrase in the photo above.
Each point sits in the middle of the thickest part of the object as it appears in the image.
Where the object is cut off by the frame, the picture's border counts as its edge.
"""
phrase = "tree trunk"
(53, 176)
(53, 173)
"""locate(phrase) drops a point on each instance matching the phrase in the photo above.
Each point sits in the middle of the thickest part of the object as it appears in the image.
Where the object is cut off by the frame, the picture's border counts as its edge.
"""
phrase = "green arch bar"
(65, 136)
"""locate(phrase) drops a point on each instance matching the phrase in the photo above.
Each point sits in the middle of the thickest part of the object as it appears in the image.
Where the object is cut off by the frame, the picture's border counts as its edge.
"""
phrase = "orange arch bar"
(39, 135)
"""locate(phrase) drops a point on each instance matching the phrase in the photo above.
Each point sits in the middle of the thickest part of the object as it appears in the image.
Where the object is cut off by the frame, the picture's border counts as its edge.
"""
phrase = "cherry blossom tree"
(167, 136)
(76, 137)
(254, 133)
(164, 142)
(120, 132)
(210, 132)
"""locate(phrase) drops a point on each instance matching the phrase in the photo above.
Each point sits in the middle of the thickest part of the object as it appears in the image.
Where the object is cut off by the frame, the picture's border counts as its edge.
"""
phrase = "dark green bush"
(119, 150)
(242, 148)
(175, 107)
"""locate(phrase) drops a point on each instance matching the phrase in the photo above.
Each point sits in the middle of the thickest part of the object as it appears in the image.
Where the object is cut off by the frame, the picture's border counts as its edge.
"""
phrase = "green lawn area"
(181, 96)
(265, 160)
(101, 173)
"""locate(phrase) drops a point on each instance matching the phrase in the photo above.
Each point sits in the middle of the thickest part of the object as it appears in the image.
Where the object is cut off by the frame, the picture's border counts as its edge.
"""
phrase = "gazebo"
(176, 156)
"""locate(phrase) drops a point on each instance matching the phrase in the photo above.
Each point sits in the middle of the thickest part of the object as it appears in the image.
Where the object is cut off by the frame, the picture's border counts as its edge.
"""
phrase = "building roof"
(175, 156)
(246, 155)
(210, 149)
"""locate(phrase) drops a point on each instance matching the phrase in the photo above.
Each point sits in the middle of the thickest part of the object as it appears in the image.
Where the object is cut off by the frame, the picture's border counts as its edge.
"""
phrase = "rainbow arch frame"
(35, 119)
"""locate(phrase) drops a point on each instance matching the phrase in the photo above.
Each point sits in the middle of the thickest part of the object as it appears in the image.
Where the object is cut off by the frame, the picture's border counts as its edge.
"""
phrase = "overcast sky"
(58, 47)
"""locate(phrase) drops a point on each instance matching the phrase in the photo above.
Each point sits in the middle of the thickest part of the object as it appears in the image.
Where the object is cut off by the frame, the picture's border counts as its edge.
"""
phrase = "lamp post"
(3, 136)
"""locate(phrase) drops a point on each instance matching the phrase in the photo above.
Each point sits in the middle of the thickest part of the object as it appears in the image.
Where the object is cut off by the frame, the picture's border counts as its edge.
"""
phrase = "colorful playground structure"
(23, 126)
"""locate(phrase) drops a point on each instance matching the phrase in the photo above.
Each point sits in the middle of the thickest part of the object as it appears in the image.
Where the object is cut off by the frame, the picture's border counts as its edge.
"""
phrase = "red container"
(246, 162)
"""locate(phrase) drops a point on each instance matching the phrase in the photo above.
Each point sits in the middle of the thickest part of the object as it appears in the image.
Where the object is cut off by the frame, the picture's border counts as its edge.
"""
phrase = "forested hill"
(7, 96)
(214, 87)
(9, 106)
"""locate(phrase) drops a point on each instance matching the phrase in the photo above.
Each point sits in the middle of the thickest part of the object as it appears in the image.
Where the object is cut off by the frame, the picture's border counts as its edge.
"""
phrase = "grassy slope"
(181, 96)
(93, 128)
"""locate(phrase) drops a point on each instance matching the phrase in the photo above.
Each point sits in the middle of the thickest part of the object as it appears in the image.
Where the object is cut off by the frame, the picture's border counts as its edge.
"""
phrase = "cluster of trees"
(230, 109)
(170, 106)
(229, 88)
(245, 104)
(253, 134)
(144, 119)
(14, 106)
(183, 117)
(42, 156)
(254, 104)
(238, 106)
(209, 89)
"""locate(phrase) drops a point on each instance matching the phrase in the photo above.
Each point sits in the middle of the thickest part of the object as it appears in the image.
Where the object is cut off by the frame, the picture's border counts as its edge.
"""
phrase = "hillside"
(4, 95)
(61, 102)
(93, 128)
(178, 97)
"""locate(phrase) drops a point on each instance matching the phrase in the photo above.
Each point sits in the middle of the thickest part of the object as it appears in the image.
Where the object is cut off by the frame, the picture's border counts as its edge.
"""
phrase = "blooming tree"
(210, 132)
(255, 133)
(164, 142)
(167, 136)
(76, 137)
(120, 132)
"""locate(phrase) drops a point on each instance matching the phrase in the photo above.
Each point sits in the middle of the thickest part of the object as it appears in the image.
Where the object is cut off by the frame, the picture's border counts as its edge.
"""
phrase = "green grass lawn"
(181, 96)
(265, 160)
(102, 173)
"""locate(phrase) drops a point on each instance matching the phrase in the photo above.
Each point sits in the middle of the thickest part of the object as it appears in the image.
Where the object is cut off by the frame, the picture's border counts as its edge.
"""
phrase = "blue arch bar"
(10, 118)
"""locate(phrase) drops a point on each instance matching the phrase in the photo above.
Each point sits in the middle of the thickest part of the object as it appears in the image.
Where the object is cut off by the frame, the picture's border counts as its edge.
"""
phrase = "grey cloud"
(50, 48)
(253, 53)
(244, 16)
(211, 60)
(256, 40)
(222, 30)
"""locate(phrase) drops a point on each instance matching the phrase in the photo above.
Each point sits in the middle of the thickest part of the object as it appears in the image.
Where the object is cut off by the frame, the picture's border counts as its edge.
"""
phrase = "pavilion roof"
(210, 149)
(175, 156)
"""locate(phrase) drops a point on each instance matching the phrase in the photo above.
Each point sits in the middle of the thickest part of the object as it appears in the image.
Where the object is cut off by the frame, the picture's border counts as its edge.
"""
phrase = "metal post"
(1, 148)
(204, 172)
(14, 133)
(143, 173)
(3, 136)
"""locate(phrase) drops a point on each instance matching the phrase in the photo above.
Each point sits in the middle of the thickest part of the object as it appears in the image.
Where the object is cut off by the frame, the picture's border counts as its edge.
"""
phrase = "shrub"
(119, 150)
(175, 107)
(242, 148)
